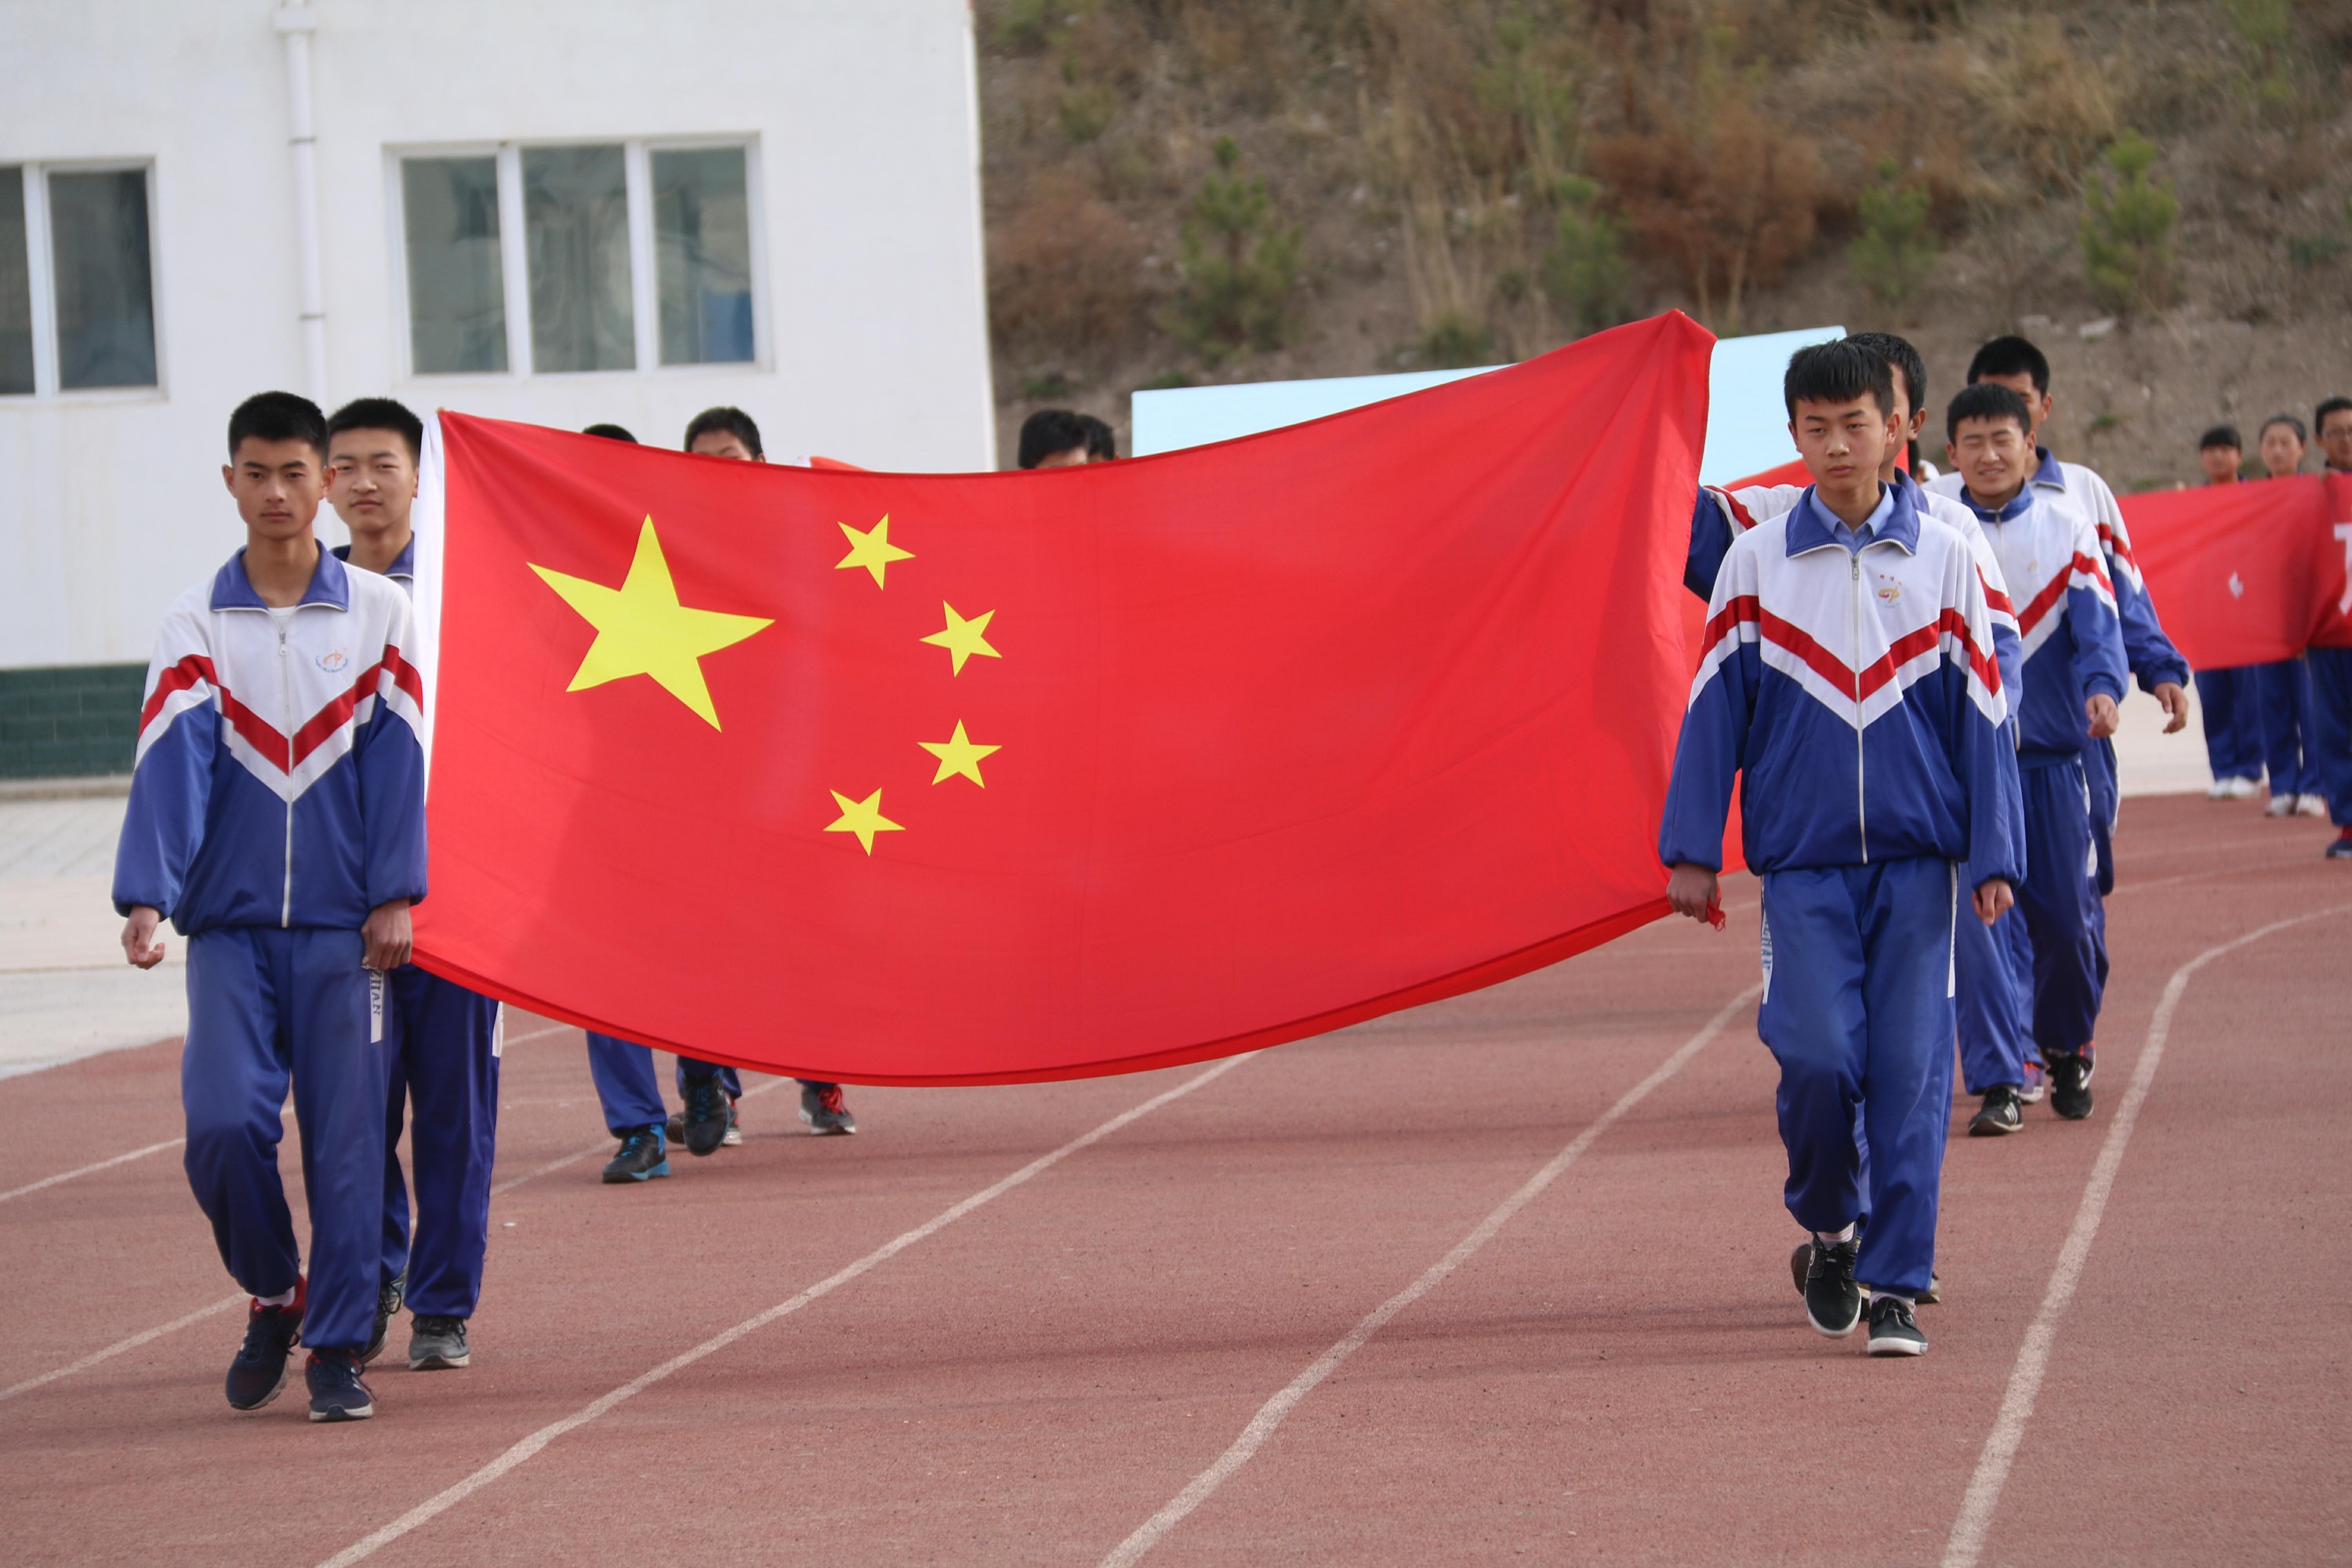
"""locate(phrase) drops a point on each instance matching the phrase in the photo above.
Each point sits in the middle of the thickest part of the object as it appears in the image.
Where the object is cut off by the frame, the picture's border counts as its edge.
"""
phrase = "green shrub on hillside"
(1896, 249)
(1240, 269)
(2127, 229)
(1586, 271)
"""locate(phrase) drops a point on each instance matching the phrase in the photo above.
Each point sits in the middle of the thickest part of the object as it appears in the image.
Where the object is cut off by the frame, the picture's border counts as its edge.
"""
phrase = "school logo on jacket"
(1889, 591)
(334, 661)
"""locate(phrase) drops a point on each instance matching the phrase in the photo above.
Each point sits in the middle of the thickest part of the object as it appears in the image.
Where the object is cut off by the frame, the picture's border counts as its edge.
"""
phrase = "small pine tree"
(1896, 248)
(2127, 229)
(1585, 271)
(1239, 268)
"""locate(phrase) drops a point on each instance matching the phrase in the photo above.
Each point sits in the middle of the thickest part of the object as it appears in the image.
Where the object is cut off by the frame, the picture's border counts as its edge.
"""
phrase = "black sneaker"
(437, 1343)
(705, 1122)
(643, 1156)
(1832, 1300)
(2070, 1084)
(676, 1130)
(387, 1307)
(2340, 848)
(337, 1393)
(1892, 1330)
(257, 1376)
(823, 1109)
(2003, 1112)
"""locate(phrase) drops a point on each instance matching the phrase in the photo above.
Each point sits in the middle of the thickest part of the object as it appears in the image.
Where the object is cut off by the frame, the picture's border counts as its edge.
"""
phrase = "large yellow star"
(863, 818)
(871, 550)
(962, 639)
(641, 629)
(958, 753)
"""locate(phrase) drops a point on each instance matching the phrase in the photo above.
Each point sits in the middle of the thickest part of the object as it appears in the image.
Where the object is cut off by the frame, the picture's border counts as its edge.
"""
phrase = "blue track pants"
(267, 1005)
(445, 1062)
(2327, 751)
(2232, 716)
(2283, 691)
(2059, 957)
(1858, 1012)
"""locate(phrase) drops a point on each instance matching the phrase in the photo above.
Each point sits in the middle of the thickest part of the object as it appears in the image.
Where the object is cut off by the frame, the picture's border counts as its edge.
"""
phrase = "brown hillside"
(1376, 184)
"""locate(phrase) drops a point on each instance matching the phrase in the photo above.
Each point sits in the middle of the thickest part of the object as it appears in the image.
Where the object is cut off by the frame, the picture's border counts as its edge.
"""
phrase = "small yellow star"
(641, 629)
(959, 753)
(863, 818)
(962, 639)
(871, 548)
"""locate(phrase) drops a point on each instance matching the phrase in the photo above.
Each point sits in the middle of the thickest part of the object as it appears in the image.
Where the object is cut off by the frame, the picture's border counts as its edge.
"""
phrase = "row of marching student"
(2289, 723)
(1916, 687)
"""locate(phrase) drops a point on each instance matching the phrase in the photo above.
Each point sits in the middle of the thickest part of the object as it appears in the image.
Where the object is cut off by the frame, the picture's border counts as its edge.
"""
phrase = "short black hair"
(380, 413)
(278, 416)
(610, 433)
(733, 421)
(2222, 436)
(1051, 430)
(2302, 435)
(1899, 353)
(1838, 371)
(1986, 400)
(2010, 356)
(2332, 405)
(1102, 442)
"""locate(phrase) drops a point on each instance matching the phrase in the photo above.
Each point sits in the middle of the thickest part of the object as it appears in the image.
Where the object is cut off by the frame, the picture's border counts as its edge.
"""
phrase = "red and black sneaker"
(257, 1376)
(824, 1109)
(2341, 849)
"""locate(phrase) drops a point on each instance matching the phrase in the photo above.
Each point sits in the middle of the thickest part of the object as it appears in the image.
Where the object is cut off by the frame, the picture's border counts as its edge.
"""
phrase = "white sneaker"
(2279, 805)
(2243, 788)
(2237, 788)
(2311, 805)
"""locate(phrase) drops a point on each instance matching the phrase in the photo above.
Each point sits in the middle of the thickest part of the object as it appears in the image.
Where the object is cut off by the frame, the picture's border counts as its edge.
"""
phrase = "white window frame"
(514, 254)
(41, 282)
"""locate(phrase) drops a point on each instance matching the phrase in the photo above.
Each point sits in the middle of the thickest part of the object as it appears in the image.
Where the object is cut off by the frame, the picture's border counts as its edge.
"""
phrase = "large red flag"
(2247, 573)
(990, 777)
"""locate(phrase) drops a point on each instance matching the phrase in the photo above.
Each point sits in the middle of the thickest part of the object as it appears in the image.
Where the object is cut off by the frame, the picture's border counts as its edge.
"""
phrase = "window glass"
(16, 288)
(457, 283)
(105, 287)
(703, 249)
(576, 214)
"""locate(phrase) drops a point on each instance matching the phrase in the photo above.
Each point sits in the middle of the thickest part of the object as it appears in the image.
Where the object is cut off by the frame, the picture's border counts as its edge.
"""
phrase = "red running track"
(1089, 1365)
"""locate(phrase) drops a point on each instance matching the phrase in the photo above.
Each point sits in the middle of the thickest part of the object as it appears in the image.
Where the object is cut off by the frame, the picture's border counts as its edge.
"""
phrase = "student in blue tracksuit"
(2233, 746)
(1849, 681)
(444, 1037)
(2283, 689)
(276, 817)
(2074, 682)
(2331, 667)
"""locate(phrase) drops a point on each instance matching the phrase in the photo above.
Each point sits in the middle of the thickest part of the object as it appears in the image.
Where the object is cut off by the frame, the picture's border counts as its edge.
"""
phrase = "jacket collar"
(2049, 473)
(2018, 505)
(1811, 525)
(403, 564)
(329, 585)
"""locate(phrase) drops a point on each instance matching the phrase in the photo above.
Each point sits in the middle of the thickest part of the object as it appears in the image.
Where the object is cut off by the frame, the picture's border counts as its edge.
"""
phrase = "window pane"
(16, 288)
(106, 300)
(457, 282)
(703, 241)
(576, 211)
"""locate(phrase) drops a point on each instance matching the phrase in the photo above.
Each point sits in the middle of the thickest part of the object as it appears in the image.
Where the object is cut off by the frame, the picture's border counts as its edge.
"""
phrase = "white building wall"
(867, 201)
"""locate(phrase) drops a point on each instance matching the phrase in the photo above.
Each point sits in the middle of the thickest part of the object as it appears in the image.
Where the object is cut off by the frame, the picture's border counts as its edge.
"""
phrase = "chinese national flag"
(971, 778)
(2251, 573)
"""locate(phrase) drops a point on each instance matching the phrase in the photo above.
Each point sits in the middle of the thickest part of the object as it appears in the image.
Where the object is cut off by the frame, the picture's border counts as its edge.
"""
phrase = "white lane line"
(144, 1336)
(538, 1034)
(1271, 1413)
(523, 1451)
(91, 1170)
(2001, 1445)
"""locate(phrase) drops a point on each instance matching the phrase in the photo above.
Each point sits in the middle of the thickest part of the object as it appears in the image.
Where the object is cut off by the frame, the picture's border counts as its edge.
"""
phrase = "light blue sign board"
(1746, 425)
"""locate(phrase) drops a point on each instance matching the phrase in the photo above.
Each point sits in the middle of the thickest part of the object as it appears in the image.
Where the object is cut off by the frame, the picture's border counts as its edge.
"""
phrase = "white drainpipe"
(295, 25)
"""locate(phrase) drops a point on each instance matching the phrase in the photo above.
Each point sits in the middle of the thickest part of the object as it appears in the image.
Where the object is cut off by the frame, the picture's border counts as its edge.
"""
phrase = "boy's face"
(1845, 443)
(277, 485)
(1993, 455)
(2220, 463)
(724, 443)
(1908, 418)
(2282, 453)
(2037, 404)
(2336, 438)
(370, 479)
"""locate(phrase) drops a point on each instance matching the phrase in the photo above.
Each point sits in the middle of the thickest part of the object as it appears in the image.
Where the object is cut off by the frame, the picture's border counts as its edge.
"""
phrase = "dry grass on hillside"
(1475, 180)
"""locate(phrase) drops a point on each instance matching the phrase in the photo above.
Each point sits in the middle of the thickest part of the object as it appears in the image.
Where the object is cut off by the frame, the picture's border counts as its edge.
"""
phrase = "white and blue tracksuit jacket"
(1858, 693)
(2069, 626)
(278, 781)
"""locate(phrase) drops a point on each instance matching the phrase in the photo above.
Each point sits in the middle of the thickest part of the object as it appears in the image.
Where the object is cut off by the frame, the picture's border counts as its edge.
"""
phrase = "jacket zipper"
(285, 713)
(1861, 811)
